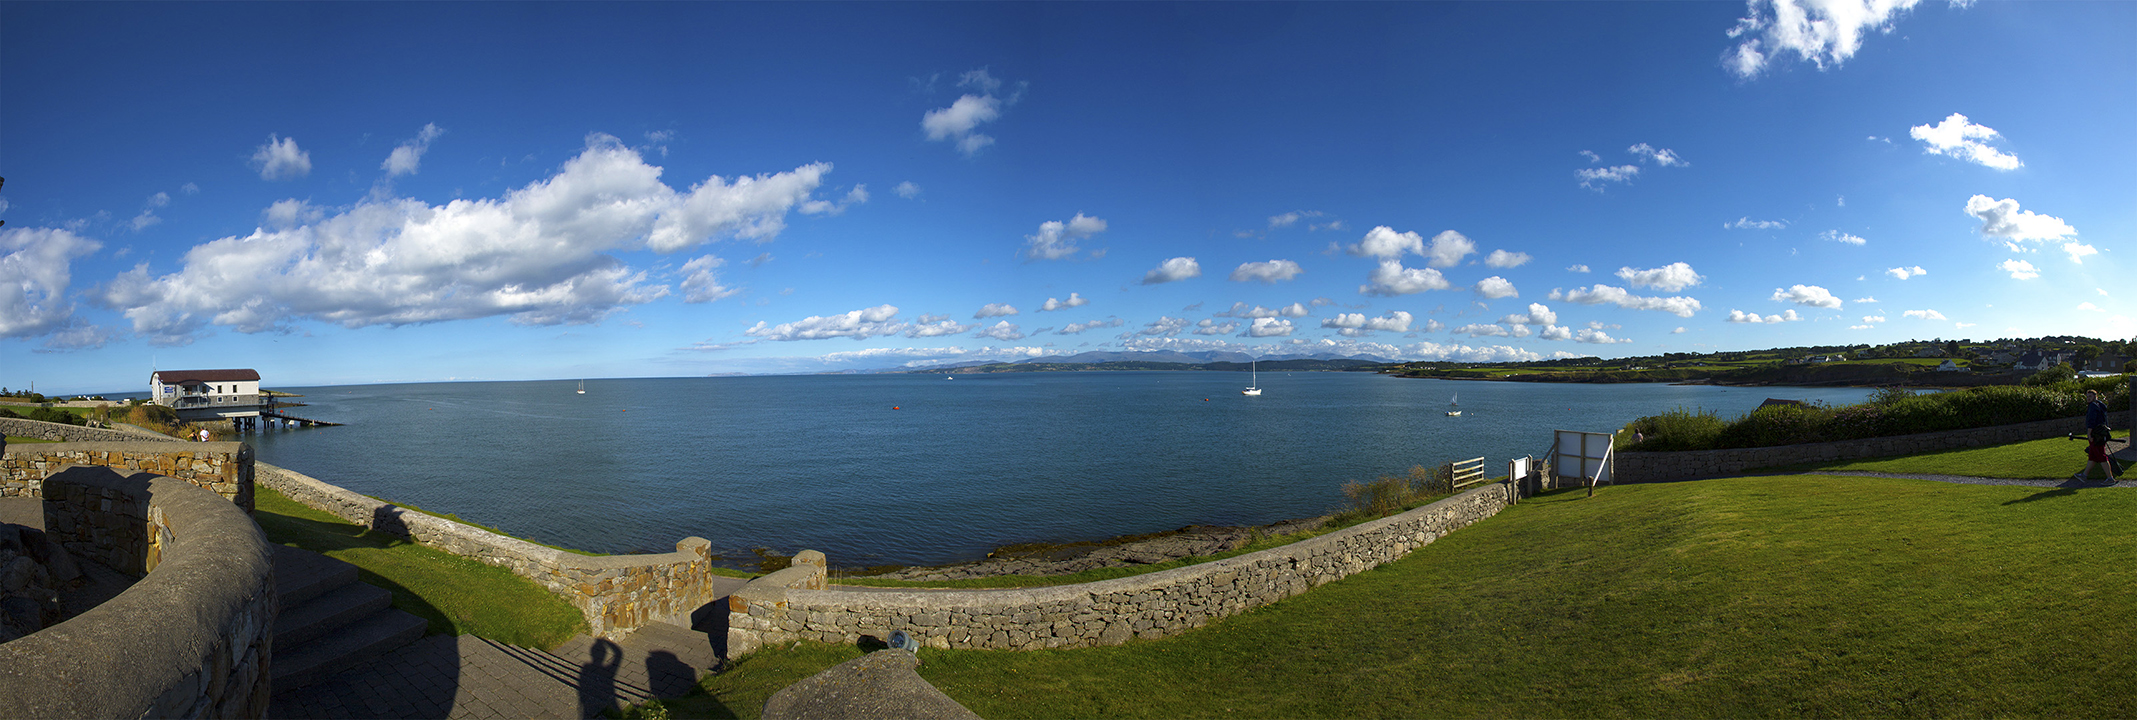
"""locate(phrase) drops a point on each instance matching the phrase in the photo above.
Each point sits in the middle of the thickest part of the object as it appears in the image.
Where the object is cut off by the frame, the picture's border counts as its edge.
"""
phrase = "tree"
(2086, 354)
(2061, 373)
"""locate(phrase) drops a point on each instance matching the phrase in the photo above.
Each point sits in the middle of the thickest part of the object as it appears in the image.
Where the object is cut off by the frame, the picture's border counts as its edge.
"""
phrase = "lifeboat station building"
(209, 394)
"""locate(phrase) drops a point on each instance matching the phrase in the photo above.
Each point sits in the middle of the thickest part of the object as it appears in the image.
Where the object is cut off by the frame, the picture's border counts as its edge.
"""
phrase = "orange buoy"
(893, 407)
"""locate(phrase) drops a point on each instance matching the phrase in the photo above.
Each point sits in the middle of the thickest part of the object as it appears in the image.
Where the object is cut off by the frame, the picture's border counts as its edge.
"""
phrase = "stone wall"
(20, 427)
(782, 608)
(616, 593)
(1634, 467)
(223, 467)
(193, 638)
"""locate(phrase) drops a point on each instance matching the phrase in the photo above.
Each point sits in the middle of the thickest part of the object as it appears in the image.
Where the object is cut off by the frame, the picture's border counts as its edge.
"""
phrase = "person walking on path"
(2095, 411)
(2096, 456)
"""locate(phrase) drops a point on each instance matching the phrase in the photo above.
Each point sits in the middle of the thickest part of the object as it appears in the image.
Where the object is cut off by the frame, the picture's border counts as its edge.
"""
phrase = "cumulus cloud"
(907, 190)
(2078, 251)
(1906, 272)
(1004, 330)
(1074, 328)
(860, 324)
(1496, 287)
(281, 159)
(1267, 327)
(998, 309)
(1291, 218)
(2090, 306)
(1483, 330)
(701, 284)
(1555, 332)
(1600, 294)
(1959, 138)
(1164, 326)
(1597, 337)
(1739, 316)
(1668, 278)
(36, 267)
(1746, 223)
(2020, 269)
(958, 122)
(1074, 300)
(1179, 268)
(1384, 243)
(408, 157)
(1577, 268)
(1873, 318)
(1241, 310)
(1390, 278)
(1268, 272)
(1924, 314)
(858, 195)
(2002, 220)
(1448, 249)
(1056, 240)
(1841, 237)
(1591, 157)
(1662, 157)
(1594, 178)
(1821, 32)
(1212, 327)
(148, 211)
(1358, 325)
(1538, 314)
(541, 254)
(1504, 259)
(1811, 295)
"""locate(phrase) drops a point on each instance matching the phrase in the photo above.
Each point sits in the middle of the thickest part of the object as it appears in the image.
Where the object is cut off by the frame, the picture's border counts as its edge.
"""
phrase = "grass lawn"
(2052, 458)
(1784, 595)
(11, 439)
(457, 595)
(1097, 574)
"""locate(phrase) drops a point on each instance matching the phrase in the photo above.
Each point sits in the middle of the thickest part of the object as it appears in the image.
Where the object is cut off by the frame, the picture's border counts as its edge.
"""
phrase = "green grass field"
(1779, 595)
(457, 595)
(2052, 458)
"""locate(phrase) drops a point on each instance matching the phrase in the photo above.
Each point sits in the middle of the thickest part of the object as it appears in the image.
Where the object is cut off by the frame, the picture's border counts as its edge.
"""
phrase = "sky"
(340, 193)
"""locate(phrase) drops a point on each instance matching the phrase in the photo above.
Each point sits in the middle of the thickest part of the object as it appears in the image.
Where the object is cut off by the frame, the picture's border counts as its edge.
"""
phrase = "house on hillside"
(2001, 357)
(1929, 352)
(1949, 366)
(209, 394)
(2108, 362)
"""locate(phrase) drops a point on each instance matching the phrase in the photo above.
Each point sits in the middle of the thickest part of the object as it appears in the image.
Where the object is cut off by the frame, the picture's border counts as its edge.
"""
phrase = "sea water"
(913, 469)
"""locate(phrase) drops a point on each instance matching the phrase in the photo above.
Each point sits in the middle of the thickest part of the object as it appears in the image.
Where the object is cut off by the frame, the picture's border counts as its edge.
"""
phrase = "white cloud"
(1074, 328)
(36, 267)
(1669, 278)
(940, 325)
(1504, 259)
(2089, 306)
(280, 159)
(1873, 318)
(1577, 268)
(1865, 299)
(1678, 331)
(1811, 295)
(1597, 337)
(1483, 330)
(1290, 218)
(1906, 272)
(1496, 287)
(1384, 243)
(1212, 327)
(2078, 251)
(1964, 325)
(957, 122)
(1599, 294)
(1590, 156)
(702, 284)
(857, 324)
(1241, 310)
(541, 254)
(997, 310)
(1739, 316)
(1664, 157)
(1746, 223)
(1822, 32)
(1593, 178)
(907, 190)
(1956, 137)
(1924, 314)
(1448, 249)
(1056, 239)
(1074, 300)
(1391, 278)
(1538, 314)
(1164, 326)
(858, 195)
(1004, 330)
(1358, 325)
(2020, 269)
(189, 189)
(1841, 237)
(2001, 219)
(405, 159)
(1267, 327)
(1555, 332)
(1267, 272)
(1179, 268)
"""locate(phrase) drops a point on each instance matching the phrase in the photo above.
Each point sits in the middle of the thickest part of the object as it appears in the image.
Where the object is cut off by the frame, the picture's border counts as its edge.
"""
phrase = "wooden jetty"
(305, 422)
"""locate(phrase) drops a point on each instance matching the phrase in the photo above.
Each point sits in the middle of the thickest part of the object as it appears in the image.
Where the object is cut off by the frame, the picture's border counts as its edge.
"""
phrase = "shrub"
(1889, 412)
(1890, 395)
(1390, 494)
(1676, 429)
(2061, 373)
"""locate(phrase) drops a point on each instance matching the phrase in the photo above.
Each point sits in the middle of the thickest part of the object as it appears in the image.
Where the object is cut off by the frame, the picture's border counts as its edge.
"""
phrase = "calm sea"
(921, 469)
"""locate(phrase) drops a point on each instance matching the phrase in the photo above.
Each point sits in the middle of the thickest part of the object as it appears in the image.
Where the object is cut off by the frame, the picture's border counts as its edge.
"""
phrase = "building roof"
(178, 377)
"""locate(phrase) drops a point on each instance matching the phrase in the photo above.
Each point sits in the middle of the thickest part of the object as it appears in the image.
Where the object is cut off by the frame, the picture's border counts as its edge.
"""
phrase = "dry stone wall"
(616, 593)
(20, 427)
(778, 608)
(193, 638)
(1635, 467)
(226, 468)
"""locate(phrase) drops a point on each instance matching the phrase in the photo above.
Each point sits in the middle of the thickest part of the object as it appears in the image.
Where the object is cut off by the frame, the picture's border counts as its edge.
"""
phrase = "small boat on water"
(1254, 382)
(582, 387)
(1455, 403)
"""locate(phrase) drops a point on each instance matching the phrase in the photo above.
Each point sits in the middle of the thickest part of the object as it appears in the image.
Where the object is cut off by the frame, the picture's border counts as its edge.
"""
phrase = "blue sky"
(379, 192)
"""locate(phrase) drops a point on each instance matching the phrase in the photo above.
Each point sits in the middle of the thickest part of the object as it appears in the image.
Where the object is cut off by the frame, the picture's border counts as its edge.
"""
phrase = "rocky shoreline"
(1041, 559)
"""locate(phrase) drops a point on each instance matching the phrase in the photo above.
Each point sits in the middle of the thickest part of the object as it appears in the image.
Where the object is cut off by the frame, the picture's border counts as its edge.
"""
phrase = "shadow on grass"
(2066, 489)
(325, 537)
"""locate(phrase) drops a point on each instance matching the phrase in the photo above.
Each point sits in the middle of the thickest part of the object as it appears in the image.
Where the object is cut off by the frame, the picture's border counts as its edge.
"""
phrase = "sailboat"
(582, 387)
(1456, 403)
(1254, 385)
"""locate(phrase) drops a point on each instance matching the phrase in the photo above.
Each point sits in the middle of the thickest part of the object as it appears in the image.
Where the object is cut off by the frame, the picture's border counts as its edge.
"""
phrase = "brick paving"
(442, 676)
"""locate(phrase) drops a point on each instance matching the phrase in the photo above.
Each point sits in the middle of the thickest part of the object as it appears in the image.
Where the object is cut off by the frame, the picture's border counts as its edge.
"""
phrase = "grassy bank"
(1889, 412)
(455, 594)
(2052, 458)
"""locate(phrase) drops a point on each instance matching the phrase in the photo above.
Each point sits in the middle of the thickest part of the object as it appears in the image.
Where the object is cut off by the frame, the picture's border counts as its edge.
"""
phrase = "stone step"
(367, 638)
(328, 612)
(673, 657)
(301, 575)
